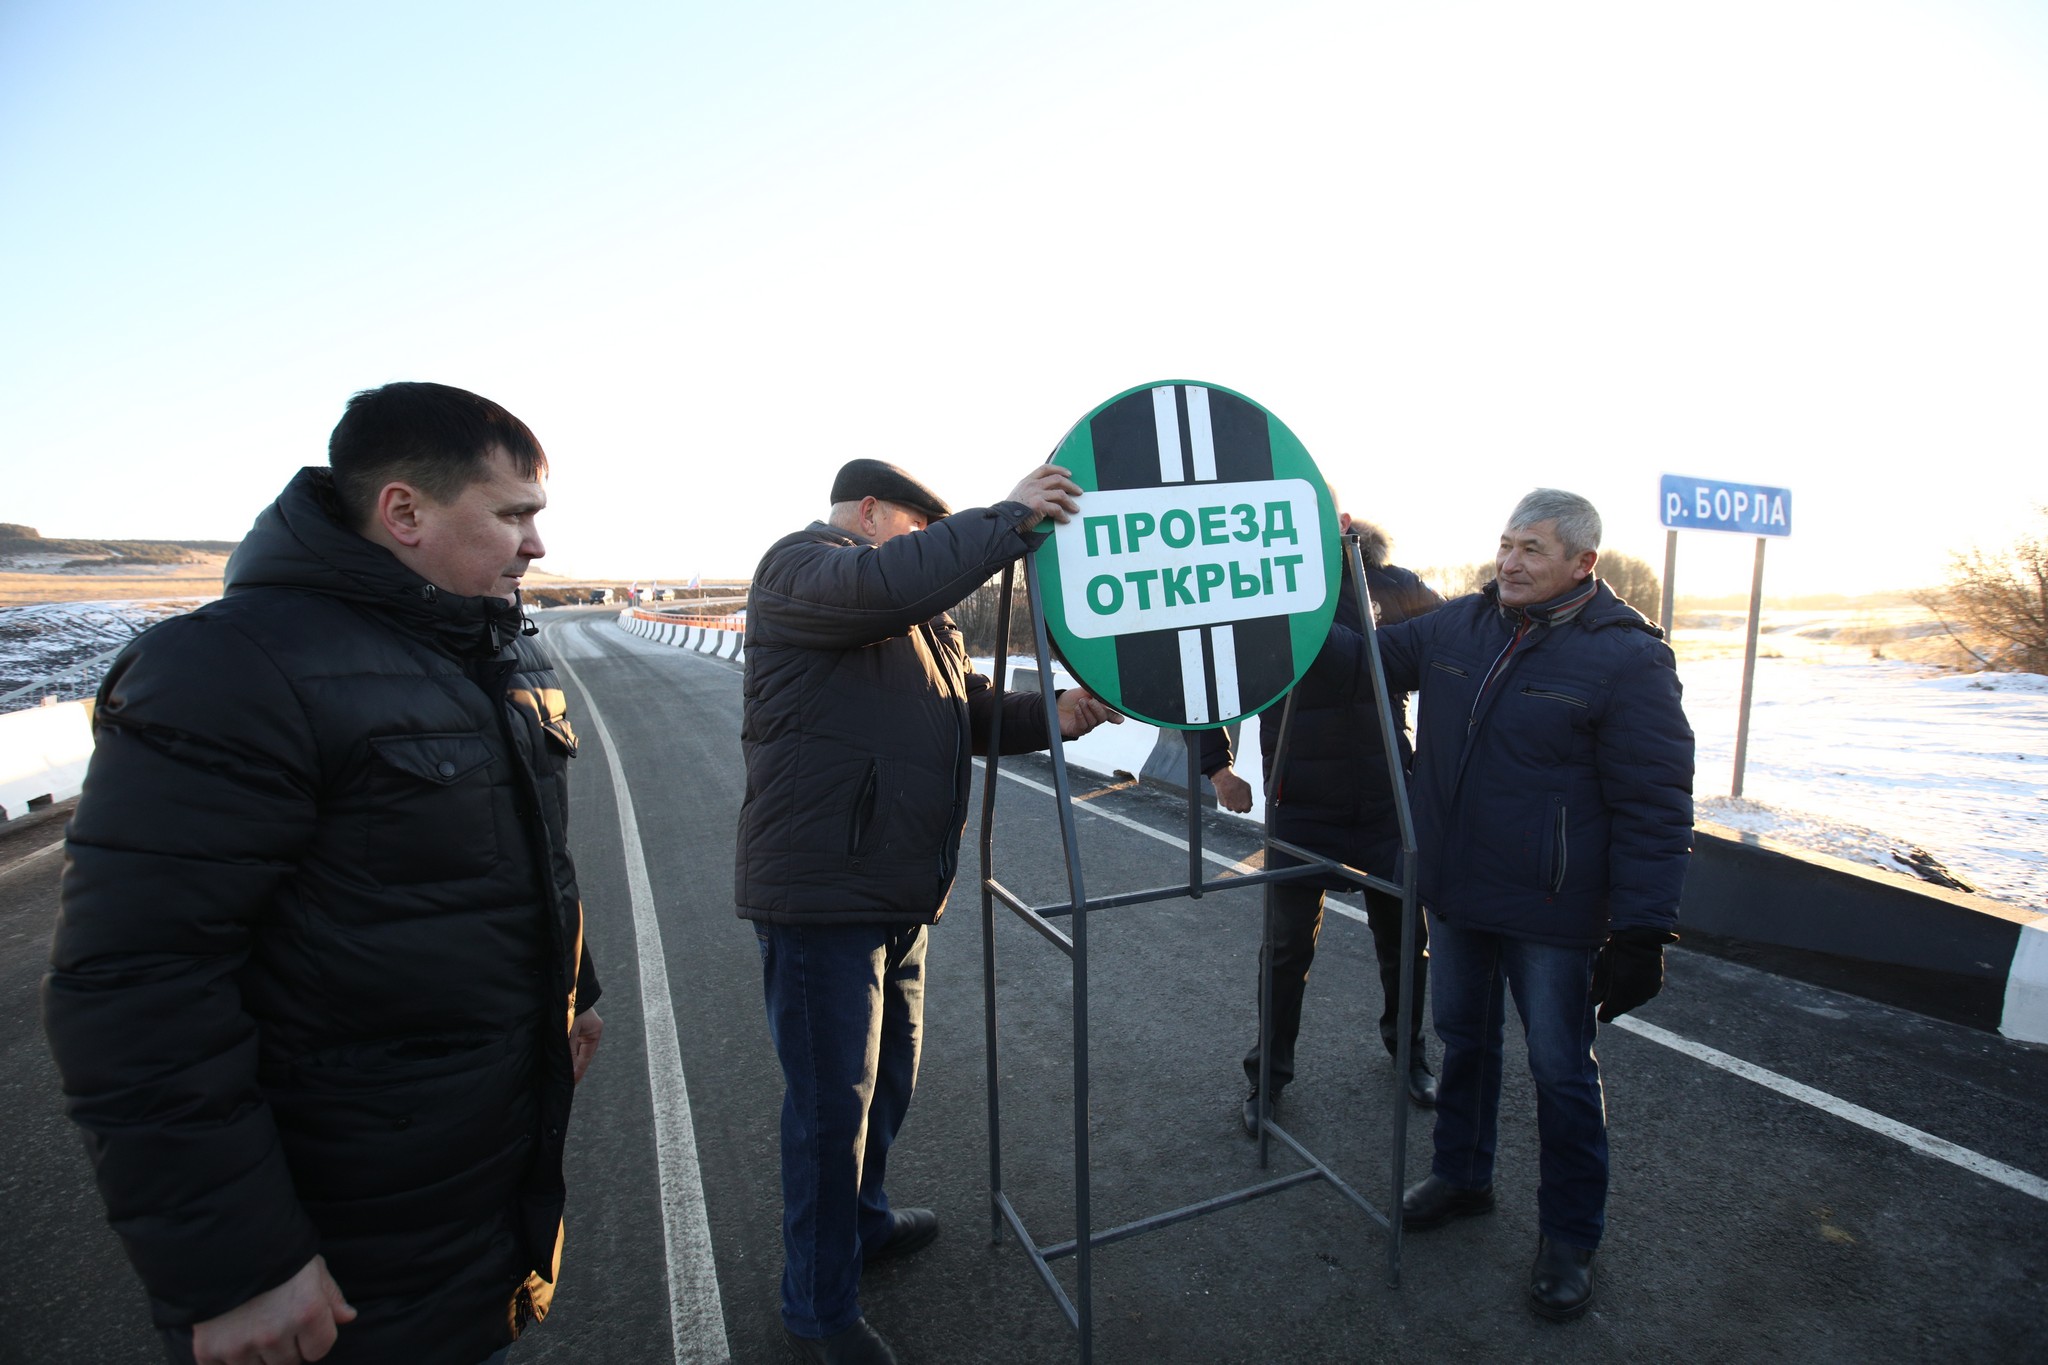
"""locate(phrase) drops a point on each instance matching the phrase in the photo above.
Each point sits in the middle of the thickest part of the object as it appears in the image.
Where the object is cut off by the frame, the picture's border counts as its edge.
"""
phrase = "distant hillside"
(26, 540)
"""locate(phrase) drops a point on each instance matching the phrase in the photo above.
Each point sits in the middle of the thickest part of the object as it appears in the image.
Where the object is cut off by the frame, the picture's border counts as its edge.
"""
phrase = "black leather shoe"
(1422, 1086)
(1561, 1285)
(910, 1230)
(1251, 1112)
(859, 1344)
(1434, 1202)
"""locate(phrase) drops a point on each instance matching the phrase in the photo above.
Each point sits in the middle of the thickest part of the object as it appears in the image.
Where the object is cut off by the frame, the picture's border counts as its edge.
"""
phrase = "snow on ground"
(1850, 753)
(55, 641)
(1896, 755)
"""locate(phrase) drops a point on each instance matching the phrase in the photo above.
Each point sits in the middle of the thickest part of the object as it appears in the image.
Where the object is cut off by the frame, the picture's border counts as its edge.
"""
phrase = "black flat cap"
(879, 479)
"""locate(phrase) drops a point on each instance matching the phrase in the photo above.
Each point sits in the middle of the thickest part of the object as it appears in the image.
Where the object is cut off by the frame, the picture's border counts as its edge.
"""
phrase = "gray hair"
(1578, 522)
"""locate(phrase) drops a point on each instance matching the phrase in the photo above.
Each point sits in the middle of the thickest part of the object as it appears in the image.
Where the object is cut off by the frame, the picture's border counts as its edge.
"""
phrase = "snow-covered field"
(1869, 759)
(1860, 756)
(58, 640)
(1852, 751)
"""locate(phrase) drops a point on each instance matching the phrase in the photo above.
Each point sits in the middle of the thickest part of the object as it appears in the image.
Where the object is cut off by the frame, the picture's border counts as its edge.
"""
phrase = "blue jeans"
(846, 1011)
(1552, 988)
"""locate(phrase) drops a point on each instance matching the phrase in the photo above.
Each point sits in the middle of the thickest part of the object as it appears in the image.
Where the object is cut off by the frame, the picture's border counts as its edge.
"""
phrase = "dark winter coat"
(320, 946)
(1336, 797)
(1559, 803)
(861, 714)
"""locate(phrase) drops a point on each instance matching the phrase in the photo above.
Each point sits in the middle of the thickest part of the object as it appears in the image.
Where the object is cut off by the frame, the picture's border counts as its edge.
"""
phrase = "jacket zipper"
(863, 808)
(1563, 851)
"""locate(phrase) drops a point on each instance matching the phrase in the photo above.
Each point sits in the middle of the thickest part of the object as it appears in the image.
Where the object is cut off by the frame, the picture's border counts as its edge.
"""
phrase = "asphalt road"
(1744, 1223)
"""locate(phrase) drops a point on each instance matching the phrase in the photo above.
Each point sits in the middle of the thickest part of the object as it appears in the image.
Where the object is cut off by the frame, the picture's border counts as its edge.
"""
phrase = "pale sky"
(711, 252)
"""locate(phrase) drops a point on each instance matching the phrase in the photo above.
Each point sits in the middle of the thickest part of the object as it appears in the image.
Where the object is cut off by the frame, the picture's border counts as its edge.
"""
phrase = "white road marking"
(696, 1315)
(1925, 1143)
(1208, 855)
(28, 858)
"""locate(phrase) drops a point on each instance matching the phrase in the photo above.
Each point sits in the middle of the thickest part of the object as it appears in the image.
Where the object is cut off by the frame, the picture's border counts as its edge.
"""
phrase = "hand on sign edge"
(1047, 492)
(1081, 711)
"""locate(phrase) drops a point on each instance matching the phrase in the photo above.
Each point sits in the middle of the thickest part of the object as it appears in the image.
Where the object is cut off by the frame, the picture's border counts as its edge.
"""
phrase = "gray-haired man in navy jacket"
(1552, 792)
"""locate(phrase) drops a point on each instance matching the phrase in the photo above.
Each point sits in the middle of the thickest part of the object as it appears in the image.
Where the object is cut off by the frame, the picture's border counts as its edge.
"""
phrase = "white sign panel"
(1189, 555)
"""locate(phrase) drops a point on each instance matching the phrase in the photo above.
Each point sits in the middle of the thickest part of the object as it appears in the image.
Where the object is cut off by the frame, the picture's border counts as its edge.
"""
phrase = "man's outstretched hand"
(1081, 711)
(1232, 791)
(1048, 492)
(297, 1321)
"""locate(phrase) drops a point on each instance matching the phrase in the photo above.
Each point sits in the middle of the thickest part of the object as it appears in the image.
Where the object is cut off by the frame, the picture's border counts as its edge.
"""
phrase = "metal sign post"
(1716, 505)
(1223, 667)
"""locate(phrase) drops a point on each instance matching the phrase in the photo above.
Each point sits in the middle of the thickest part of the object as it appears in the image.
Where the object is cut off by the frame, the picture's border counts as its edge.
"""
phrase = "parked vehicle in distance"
(600, 595)
(663, 594)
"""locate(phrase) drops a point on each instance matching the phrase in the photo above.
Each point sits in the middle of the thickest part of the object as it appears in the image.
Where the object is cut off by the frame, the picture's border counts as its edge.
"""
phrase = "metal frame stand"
(1079, 1308)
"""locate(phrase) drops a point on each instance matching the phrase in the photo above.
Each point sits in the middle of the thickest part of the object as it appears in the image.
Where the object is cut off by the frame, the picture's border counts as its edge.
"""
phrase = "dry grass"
(174, 580)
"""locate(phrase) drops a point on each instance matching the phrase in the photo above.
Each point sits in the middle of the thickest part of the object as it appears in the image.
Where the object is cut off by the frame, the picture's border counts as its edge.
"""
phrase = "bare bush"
(1456, 580)
(1633, 581)
(976, 617)
(1995, 603)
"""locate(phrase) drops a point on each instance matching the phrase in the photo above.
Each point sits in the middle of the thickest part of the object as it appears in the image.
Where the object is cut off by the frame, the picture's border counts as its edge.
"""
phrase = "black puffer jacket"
(1336, 797)
(861, 717)
(320, 945)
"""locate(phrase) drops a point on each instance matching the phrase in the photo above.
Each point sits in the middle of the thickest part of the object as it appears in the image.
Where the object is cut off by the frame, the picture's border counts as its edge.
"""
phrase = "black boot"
(1421, 1081)
(859, 1344)
(1561, 1284)
(1251, 1112)
(1436, 1201)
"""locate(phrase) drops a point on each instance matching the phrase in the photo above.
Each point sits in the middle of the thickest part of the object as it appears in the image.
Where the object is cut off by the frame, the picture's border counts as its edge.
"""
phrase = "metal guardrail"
(70, 683)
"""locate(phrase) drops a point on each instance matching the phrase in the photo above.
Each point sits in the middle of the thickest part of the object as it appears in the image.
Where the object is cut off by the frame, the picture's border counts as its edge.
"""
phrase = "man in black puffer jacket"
(318, 990)
(1552, 793)
(1336, 798)
(862, 713)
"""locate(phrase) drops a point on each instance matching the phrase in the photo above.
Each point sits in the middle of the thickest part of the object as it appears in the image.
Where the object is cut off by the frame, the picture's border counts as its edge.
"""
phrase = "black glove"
(1630, 970)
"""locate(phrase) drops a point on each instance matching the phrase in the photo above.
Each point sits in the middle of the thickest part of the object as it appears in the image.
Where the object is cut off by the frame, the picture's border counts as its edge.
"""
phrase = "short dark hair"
(437, 438)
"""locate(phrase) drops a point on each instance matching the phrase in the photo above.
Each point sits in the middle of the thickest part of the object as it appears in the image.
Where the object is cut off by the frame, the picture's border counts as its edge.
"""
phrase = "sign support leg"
(1756, 608)
(1668, 612)
(988, 913)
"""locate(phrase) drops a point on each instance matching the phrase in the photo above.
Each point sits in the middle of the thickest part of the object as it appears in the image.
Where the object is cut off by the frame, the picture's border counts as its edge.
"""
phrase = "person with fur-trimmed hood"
(1335, 798)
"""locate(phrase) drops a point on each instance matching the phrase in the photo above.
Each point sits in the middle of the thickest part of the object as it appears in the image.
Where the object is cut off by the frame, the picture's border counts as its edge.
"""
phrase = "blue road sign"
(1717, 505)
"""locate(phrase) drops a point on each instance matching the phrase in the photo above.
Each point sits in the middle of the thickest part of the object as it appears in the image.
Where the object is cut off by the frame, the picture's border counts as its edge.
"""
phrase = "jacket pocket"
(1556, 694)
(1449, 668)
(432, 809)
(560, 737)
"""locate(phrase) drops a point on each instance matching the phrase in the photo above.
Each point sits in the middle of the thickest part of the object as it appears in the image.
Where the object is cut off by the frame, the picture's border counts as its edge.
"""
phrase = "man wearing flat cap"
(861, 714)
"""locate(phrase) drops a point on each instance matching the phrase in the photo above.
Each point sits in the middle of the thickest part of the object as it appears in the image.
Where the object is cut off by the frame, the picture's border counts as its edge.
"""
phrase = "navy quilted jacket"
(1558, 804)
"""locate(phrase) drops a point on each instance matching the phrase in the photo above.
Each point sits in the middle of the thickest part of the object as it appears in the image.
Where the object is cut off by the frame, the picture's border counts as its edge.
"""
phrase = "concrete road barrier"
(44, 751)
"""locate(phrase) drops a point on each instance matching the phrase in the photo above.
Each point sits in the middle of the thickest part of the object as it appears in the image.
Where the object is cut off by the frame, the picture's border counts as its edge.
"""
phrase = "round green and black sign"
(1197, 582)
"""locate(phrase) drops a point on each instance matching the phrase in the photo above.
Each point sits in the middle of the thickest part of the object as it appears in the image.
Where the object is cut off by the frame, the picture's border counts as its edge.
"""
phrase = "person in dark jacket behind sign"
(861, 713)
(318, 991)
(1336, 798)
(1552, 793)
